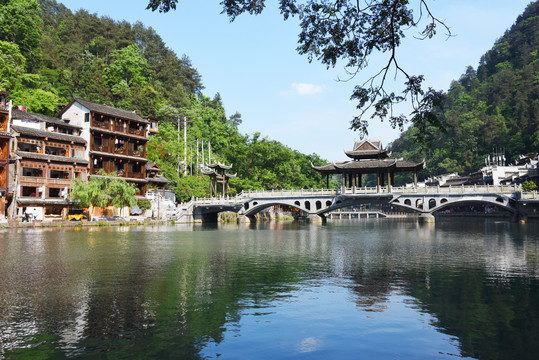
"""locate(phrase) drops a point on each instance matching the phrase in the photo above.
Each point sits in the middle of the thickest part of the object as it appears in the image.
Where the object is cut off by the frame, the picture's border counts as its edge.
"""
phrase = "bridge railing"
(472, 189)
(530, 195)
(249, 194)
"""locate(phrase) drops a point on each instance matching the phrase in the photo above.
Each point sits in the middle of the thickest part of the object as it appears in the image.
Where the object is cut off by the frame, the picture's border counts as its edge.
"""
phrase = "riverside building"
(116, 140)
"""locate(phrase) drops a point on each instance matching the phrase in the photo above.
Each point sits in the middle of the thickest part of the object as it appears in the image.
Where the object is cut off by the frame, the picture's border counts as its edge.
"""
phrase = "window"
(86, 117)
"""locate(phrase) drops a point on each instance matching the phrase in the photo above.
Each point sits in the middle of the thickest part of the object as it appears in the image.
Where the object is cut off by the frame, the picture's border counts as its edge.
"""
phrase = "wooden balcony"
(135, 175)
(135, 131)
(119, 127)
(101, 148)
(38, 181)
(101, 124)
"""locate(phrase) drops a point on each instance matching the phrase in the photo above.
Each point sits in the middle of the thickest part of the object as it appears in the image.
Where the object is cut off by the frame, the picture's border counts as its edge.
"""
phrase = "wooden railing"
(101, 124)
(43, 180)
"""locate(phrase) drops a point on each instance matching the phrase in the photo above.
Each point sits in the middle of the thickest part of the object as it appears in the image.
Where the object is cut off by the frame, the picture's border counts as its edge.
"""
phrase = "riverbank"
(14, 224)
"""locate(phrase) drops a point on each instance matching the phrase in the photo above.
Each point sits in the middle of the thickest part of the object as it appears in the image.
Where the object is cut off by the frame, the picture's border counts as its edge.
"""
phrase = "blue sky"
(253, 64)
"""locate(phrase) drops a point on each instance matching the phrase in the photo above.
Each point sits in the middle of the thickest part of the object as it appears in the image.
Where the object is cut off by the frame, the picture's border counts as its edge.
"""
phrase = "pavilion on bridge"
(369, 157)
(218, 175)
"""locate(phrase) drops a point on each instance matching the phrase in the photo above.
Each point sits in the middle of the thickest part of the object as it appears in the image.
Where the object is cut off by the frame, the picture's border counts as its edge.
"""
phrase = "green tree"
(102, 191)
(12, 64)
(20, 23)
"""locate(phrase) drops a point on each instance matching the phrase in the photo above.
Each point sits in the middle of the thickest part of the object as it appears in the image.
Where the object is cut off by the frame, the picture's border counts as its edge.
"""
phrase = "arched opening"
(499, 199)
(432, 203)
(328, 203)
(255, 203)
(308, 205)
(419, 204)
(443, 201)
(246, 206)
(397, 201)
(318, 205)
(408, 202)
(297, 203)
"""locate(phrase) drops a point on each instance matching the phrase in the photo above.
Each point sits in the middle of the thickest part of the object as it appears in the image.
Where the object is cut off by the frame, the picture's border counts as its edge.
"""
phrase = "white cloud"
(307, 89)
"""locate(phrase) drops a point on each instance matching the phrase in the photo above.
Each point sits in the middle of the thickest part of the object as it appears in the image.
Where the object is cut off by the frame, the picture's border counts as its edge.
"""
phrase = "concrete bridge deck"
(318, 202)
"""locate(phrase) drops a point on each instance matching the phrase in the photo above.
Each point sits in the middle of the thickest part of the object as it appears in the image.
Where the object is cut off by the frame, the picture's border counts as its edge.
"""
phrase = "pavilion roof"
(367, 149)
(370, 166)
(219, 166)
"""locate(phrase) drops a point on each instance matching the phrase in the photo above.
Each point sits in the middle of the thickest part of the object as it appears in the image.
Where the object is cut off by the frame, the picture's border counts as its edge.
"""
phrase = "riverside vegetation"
(48, 54)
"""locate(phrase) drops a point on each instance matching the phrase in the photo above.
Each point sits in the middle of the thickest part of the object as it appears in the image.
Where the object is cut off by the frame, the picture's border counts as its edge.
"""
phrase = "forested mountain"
(493, 106)
(48, 54)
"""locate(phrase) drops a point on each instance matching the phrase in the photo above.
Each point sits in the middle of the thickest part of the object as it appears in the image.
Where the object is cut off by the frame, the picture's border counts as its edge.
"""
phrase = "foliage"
(102, 191)
(495, 106)
(130, 67)
(529, 186)
(20, 24)
(351, 32)
(144, 204)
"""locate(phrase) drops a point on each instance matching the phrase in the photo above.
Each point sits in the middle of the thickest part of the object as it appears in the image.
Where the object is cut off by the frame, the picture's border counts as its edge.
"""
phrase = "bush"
(529, 186)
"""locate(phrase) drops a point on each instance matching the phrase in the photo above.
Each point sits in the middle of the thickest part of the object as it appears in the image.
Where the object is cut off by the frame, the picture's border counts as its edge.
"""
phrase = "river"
(349, 289)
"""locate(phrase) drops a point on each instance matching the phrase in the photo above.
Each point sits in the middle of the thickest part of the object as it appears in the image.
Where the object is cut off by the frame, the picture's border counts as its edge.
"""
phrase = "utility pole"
(197, 157)
(178, 166)
(185, 146)
(209, 152)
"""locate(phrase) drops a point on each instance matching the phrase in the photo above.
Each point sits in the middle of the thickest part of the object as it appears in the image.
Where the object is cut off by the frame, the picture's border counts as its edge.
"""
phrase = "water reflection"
(382, 288)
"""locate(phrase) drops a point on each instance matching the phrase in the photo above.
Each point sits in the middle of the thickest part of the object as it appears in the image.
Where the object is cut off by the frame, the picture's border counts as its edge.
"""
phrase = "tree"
(12, 64)
(334, 31)
(20, 24)
(102, 191)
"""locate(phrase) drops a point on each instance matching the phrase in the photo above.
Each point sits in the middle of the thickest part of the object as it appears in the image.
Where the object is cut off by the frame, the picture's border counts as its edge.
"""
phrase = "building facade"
(5, 137)
(116, 140)
(47, 154)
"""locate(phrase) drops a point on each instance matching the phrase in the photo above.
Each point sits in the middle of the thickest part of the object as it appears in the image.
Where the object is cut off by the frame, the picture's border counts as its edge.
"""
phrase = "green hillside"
(48, 54)
(495, 106)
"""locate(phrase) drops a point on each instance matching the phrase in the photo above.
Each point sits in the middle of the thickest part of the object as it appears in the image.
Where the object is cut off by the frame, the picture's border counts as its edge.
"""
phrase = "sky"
(253, 64)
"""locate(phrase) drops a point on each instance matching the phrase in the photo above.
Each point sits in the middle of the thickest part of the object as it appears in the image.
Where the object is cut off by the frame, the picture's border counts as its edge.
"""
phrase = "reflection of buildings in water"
(507, 253)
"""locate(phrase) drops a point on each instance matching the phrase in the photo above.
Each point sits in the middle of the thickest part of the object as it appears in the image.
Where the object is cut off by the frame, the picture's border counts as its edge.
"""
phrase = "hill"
(495, 106)
(48, 54)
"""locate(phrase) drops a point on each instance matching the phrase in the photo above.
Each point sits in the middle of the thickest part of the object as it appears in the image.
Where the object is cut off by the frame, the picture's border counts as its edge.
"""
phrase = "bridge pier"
(426, 218)
(316, 219)
(244, 219)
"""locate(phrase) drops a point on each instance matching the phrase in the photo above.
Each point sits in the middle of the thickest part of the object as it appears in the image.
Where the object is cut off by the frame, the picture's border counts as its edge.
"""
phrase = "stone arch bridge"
(316, 203)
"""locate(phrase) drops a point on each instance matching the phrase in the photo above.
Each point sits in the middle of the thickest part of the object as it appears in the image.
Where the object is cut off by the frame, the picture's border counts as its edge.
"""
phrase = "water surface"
(359, 289)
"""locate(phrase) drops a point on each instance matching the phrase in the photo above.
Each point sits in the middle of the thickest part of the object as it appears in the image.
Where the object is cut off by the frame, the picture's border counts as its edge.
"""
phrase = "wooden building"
(48, 153)
(369, 157)
(116, 140)
(5, 137)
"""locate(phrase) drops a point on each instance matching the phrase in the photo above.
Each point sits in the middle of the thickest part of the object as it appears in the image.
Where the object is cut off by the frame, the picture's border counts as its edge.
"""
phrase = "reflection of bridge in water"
(317, 203)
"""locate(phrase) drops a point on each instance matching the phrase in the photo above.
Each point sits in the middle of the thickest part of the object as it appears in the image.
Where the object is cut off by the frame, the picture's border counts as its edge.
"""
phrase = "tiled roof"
(18, 114)
(369, 166)
(119, 156)
(158, 179)
(109, 110)
(49, 134)
(31, 155)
